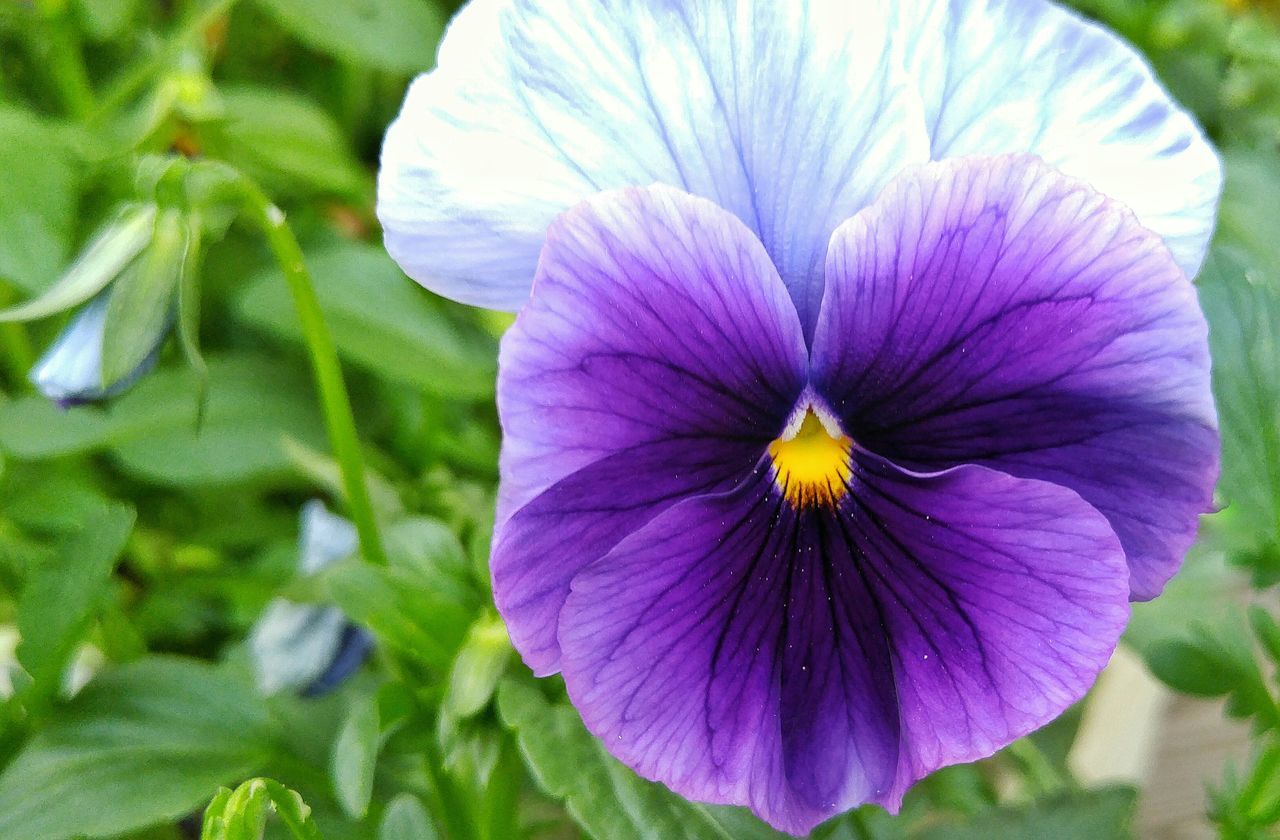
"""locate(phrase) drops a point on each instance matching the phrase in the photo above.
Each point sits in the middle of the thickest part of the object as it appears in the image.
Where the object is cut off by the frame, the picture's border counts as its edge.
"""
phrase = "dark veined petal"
(658, 356)
(806, 662)
(790, 115)
(538, 551)
(1007, 76)
(994, 311)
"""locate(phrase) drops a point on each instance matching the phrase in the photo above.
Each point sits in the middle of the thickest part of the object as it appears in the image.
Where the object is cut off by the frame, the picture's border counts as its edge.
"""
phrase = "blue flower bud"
(70, 371)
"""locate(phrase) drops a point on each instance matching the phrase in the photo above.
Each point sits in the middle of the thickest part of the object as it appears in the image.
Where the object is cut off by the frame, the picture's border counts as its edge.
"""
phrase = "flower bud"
(117, 337)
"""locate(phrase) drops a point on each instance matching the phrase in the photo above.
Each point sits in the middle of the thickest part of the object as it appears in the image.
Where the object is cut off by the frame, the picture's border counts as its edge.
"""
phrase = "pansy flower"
(858, 383)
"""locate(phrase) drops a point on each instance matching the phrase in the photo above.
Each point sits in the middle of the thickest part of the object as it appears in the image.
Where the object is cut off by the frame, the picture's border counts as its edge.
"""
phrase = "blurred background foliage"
(158, 552)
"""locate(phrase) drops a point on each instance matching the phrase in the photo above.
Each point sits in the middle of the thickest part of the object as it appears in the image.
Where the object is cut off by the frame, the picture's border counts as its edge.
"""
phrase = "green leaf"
(242, 814)
(1267, 630)
(60, 595)
(406, 819)
(213, 823)
(1242, 304)
(102, 260)
(1212, 663)
(104, 20)
(381, 321)
(355, 754)
(422, 617)
(255, 404)
(33, 428)
(142, 743)
(429, 549)
(1104, 814)
(1259, 799)
(1191, 668)
(142, 298)
(285, 142)
(38, 202)
(1251, 193)
(603, 796)
(478, 666)
(47, 497)
(395, 35)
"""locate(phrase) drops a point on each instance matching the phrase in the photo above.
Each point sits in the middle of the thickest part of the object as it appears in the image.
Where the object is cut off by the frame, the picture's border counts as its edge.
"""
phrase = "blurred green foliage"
(141, 540)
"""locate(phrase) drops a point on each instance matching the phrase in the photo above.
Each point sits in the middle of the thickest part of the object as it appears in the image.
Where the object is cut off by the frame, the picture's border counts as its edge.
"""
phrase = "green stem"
(324, 360)
(55, 44)
(1036, 767)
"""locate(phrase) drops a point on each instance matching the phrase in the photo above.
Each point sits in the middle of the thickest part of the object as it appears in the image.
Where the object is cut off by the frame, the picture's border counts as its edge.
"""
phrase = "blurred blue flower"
(70, 371)
(310, 648)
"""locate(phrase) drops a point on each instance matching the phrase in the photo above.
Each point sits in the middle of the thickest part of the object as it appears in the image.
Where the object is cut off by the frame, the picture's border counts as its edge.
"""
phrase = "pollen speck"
(811, 466)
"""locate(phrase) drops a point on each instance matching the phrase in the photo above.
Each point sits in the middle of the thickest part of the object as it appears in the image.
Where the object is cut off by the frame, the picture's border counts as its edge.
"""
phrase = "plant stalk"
(324, 360)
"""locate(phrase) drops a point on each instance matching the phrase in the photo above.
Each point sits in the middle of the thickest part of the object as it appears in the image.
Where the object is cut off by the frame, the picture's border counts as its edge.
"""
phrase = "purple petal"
(659, 342)
(994, 311)
(1003, 598)
(537, 552)
(804, 663)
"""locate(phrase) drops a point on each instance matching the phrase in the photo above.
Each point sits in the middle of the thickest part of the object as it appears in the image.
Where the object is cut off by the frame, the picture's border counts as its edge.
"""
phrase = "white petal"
(792, 115)
(324, 538)
(292, 644)
(1001, 76)
(71, 369)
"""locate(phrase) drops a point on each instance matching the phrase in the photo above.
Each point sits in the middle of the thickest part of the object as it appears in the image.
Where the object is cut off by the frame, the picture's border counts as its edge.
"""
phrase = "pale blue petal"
(70, 371)
(292, 644)
(1000, 76)
(790, 115)
(325, 538)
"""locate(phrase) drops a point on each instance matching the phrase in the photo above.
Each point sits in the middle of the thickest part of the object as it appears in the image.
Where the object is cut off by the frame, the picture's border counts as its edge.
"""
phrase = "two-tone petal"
(792, 116)
(1014, 76)
(310, 648)
(70, 371)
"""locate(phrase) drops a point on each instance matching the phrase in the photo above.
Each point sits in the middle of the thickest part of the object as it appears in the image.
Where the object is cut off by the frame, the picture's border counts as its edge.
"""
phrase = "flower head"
(802, 575)
(858, 385)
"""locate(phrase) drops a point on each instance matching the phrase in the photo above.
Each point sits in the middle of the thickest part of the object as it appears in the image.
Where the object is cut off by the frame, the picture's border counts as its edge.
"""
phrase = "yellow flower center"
(811, 467)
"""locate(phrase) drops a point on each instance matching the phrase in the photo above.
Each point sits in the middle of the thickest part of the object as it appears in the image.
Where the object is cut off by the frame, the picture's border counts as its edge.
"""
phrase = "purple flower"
(824, 465)
(802, 576)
